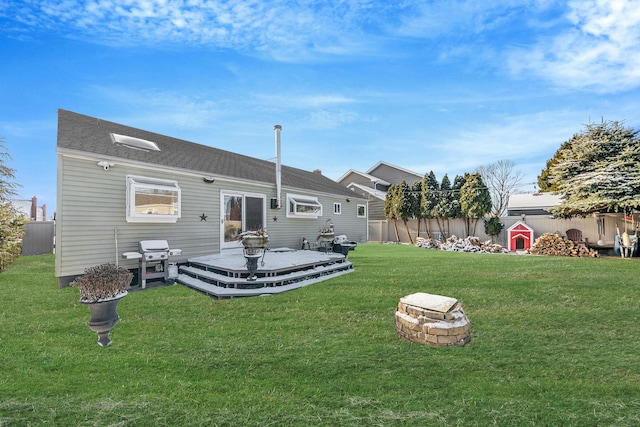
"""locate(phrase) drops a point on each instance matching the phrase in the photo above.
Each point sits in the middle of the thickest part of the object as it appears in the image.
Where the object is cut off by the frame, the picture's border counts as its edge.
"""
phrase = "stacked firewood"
(556, 245)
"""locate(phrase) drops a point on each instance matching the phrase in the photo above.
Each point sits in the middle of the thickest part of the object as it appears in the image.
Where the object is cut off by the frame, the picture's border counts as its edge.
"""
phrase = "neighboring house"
(374, 184)
(118, 185)
(532, 204)
(598, 230)
(30, 209)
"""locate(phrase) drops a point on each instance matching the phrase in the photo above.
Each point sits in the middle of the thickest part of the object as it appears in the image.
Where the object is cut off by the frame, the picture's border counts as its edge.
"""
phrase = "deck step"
(225, 278)
(221, 292)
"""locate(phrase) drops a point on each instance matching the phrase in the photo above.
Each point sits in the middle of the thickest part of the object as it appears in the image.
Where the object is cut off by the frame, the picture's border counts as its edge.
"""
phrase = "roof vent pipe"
(278, 129)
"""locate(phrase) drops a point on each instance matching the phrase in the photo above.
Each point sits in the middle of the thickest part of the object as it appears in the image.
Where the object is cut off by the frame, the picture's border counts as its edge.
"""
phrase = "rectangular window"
(337, 208)
(303, 206)
(152, 199)
(362, 211)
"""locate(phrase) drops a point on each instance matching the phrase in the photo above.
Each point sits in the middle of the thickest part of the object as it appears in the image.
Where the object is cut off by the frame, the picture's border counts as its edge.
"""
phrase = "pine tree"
(493, 227)
(475, 201)
(443, 210)
(405, 206)
(458, 182)
(429, 199)
(543, 178)
(597, 171)
(11, 221)
(390, 207)
(416, 203)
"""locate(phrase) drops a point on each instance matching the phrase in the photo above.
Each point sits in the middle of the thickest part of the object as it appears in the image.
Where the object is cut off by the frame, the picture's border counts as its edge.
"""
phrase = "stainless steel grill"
(153, 257)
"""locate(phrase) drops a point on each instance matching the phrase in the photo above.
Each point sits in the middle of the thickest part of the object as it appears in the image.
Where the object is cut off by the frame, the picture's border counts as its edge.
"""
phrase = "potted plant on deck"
(101, 288)
(326, 233)
(254, 242)
(254, 238)
(326, 236)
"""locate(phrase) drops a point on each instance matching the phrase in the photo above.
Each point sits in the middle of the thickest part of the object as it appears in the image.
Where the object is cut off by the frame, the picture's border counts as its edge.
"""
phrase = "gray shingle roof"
(89, 134)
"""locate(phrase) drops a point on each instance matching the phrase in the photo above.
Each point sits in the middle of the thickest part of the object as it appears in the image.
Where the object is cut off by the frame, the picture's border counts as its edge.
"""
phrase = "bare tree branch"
(501, 178)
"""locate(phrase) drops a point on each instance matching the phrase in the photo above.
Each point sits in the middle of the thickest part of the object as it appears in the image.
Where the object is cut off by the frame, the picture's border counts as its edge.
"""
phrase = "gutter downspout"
(278, 129)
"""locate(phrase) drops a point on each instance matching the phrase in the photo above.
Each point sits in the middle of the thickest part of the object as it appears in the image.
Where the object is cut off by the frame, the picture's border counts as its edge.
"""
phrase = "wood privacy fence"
(384, 231)
(39, 238)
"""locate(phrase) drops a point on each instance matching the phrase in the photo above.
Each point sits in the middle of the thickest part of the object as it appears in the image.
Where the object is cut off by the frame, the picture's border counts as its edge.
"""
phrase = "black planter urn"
(104, 317)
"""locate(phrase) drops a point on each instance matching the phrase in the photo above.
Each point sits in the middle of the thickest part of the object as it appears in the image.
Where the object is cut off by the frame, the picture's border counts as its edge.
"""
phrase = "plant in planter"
(326, 233)
(325, 236)
(254, 242)
(254, 238)
(101, 288)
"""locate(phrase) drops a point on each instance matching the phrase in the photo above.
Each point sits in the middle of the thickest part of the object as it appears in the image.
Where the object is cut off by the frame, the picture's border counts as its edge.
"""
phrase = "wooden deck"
(225, 275)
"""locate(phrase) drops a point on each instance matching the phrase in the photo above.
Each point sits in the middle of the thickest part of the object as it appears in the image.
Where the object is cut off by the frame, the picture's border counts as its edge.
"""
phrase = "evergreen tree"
(390, 207)
(444, 209)
(405, 206)
(543, 178)
(416, 203)
(458, 182)
(11, 221)
(597, 171)
(493, 227)
(429, 199)
(475, 201)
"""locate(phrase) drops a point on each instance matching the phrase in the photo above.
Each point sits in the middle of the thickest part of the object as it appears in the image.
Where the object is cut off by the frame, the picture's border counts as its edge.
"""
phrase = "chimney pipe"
(34, 209)
(278, 129)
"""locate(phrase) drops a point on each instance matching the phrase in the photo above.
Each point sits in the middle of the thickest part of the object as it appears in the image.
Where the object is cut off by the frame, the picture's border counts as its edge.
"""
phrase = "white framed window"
(337, 208)
(303, 206)
(152, 199)
(362, 211)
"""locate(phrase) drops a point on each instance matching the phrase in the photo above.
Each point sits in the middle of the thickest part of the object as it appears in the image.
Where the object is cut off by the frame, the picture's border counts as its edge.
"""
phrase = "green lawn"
(555, 342)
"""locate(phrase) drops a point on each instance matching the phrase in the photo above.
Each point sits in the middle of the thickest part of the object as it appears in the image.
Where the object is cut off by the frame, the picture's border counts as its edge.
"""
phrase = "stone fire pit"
(434, 320)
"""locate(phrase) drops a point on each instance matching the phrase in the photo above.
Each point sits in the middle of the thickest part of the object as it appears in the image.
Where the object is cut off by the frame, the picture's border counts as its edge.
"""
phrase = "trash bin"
(173, 272)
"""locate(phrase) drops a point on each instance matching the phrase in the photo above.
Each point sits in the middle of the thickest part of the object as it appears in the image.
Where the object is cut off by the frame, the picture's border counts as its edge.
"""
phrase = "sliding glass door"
(240, 212)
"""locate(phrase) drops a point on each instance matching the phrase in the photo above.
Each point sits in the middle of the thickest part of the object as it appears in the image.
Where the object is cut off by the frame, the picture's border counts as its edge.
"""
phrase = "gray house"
(118, 185)
(374, 184)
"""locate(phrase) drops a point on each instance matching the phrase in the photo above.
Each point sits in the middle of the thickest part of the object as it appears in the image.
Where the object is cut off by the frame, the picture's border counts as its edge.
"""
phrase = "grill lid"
(153, 245)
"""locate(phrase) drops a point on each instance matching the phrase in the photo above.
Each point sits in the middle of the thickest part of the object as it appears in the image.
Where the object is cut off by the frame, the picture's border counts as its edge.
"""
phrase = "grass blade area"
(554, 342)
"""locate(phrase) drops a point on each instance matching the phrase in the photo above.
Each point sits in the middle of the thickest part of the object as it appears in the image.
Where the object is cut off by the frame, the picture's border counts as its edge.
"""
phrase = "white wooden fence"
(384, 231)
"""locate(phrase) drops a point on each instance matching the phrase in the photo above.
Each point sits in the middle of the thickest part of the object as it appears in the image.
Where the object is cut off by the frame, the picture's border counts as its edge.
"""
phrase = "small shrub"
(102, 282)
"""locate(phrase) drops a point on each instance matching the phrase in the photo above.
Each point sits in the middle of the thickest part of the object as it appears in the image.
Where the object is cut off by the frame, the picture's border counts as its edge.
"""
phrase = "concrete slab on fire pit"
(431, 302)
(434, 320)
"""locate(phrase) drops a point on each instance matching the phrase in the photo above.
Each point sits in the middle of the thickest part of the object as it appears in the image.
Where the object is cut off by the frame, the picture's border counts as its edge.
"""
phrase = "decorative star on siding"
(275, 219)
(203, 217)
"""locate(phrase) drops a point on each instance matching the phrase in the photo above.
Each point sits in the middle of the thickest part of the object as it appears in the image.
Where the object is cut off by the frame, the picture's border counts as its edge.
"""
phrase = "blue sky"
(426, 85)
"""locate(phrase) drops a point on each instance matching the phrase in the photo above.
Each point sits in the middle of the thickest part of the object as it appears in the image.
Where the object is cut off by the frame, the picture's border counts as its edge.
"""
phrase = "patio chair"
(575, 236)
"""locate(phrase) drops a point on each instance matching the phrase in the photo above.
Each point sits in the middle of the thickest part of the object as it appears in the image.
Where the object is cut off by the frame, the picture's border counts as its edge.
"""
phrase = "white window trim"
(298, 199)
(337, 208)
(134, 182)
(364, 207)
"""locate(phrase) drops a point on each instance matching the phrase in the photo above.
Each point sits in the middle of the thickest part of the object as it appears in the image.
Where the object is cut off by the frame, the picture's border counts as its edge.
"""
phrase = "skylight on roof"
(135, 143)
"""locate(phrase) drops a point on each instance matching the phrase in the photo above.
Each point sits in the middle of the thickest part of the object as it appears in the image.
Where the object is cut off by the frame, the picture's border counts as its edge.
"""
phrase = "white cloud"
(528, 140)
(304, 101)
(162, 109)
(598, 51)
(285, 30)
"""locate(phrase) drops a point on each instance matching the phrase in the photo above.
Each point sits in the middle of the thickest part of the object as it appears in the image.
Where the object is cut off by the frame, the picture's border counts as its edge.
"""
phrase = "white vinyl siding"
(91, 226)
